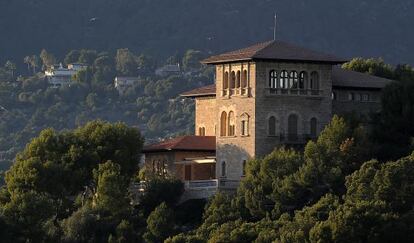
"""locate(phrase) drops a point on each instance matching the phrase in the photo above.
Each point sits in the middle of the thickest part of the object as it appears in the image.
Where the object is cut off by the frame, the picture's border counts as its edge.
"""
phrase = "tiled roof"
(351, 79)
(209, 90)
(184, 143)
(340, 78)
(274, 50)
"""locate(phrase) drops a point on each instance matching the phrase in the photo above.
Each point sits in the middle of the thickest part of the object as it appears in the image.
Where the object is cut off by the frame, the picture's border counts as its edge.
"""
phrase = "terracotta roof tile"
(209, 90)
(274, 50)
(347, 78)
(184, 143)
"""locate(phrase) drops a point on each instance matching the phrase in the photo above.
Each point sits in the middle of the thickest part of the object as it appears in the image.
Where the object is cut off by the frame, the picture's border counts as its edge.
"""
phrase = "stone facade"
(353, 100)
(205, 116)
(305, 106)
(252, 104)
(232, 150)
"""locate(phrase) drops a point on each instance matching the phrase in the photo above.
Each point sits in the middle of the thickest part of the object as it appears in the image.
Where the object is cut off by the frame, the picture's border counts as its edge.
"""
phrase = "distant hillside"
(164, 27)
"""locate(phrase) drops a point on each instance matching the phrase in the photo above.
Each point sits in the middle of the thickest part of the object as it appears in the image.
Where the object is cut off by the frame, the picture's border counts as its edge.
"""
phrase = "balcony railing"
(235, 92)
(200, 184)
(300, 92)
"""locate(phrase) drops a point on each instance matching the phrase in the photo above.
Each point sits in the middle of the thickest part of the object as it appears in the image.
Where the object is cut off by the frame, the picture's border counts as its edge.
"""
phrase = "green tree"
(48, 59)
(61, 164)
(262, 174)
(87, 56)
(191, 59)
(376, 67)
(72, 57)
(124, 233)
(145, 64)
(126, 63)
(159, 190)
(111, 191)
(27, 60)
(160, 224)
(86, 225)
(34, 62)
(25, 213)
(11, 67)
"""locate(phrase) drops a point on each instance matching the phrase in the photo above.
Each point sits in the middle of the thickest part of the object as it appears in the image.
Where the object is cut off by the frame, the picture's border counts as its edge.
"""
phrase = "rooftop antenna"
(274, 28)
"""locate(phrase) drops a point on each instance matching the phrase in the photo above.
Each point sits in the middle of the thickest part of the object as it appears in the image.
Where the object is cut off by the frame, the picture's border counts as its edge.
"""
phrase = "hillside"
(162, 28)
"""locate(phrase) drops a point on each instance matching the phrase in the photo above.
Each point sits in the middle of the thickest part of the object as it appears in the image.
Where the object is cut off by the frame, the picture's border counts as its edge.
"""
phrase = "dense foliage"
(326, 194)
(28, 105)
(393, 130)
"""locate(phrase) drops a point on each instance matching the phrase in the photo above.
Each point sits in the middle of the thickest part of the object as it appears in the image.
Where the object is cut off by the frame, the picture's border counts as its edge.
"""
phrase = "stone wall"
(234, 149)
(205, 115)
(306, 106)
(343, 104)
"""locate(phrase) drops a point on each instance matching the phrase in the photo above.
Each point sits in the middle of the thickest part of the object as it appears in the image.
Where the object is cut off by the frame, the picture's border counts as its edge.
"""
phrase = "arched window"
(272, 126)
(244, 168)
(223, 124)
(232, 126)
(238, 76)
(244, 128)
(273, 79)
(351, 96)
(303, 79)
(314, 81)
(313, 127)
(293, 127)
(283, 81)
(334, 96)
(232, 80)
(244, 79)
(223, 168)
(226, 80)
(293, 80)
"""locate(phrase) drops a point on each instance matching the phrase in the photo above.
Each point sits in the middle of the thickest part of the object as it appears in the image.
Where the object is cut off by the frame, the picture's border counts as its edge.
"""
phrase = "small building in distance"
(59, 76)
(123, 83)
(168, 70)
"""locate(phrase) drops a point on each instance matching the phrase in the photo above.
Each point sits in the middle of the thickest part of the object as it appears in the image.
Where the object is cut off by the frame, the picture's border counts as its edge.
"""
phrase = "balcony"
(294, 92)
(201, 184)
(201, 189)
(243, 92)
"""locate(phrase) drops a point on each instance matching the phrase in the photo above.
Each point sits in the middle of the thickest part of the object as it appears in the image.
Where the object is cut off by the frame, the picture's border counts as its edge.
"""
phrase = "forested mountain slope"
(163, 27)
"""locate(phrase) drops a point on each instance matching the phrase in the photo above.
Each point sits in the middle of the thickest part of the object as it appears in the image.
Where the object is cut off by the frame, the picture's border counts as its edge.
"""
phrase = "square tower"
(268, 94)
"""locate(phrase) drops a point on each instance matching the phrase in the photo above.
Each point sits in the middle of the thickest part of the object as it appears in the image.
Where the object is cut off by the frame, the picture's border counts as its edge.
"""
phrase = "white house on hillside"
(123, 83)
(171, 69)
(58, 76)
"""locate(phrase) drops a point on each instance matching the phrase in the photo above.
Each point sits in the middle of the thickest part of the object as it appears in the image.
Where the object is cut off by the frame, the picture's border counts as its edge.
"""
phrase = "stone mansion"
(265, 95)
